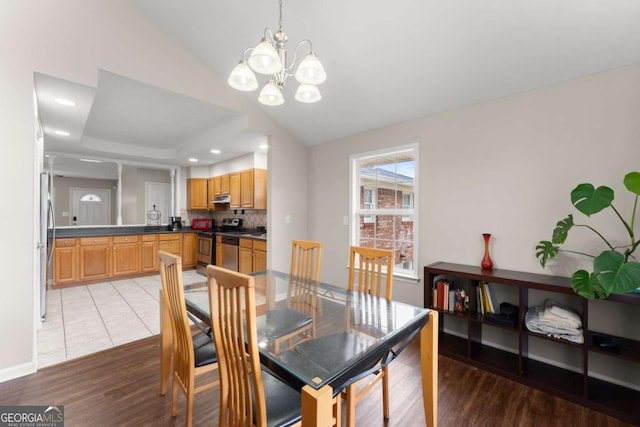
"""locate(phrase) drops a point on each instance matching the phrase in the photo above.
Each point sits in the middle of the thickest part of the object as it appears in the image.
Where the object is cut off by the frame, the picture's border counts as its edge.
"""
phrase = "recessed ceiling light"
(91, 160)
(264, 146)
(215, 151)
(193, 159)
(65, 101)
(61, 132)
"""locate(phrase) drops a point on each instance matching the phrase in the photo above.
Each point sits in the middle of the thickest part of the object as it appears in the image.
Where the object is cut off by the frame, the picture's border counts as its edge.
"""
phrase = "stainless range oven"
(206, 251)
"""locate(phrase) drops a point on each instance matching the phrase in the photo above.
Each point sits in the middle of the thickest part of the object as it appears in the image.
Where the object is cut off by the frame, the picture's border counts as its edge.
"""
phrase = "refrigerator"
(46, 239)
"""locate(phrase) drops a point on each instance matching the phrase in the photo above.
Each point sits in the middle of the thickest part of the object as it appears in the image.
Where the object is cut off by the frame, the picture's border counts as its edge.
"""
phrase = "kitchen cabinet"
(197, 194)
(252, 256)
(189, 249)
(95, 258)
(225, 184)
(259, 255)
(215, 186)
(234, 190)
(253, 189)
(245, 256)
(65, 262)
(214, 189)
(126, 255)
(219, 251)
(248, 189)
(148, 252)
(171, 242)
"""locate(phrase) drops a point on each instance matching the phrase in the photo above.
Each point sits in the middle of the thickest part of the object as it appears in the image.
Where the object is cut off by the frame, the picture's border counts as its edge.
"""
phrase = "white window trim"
(354, 202)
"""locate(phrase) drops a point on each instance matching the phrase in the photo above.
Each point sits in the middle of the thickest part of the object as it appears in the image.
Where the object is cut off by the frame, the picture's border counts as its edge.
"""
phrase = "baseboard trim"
(17, 371)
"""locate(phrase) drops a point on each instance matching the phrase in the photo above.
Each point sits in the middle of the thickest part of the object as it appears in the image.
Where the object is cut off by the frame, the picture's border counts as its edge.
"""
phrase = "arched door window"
(90, 198)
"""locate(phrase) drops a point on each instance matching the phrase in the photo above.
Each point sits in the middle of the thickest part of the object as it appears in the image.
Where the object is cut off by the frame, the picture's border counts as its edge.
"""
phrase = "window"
(368, 202)
(383, 204)
(90, 198)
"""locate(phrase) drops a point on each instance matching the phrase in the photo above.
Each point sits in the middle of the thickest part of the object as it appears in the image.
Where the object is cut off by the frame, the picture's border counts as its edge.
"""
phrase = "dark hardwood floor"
(120, 387)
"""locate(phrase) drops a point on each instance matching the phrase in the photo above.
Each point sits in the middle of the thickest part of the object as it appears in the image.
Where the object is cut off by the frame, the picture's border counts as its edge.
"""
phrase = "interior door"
(90, 206)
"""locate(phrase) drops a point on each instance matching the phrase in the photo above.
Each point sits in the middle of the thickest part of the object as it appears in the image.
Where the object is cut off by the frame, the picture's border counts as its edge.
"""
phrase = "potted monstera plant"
(615, 269)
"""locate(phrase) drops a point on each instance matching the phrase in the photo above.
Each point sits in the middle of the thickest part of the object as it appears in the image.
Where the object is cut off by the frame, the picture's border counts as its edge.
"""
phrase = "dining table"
(354, 334)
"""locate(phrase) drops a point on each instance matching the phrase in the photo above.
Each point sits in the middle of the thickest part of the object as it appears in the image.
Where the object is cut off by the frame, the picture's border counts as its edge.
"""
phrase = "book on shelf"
(479, 300)
(492, 305)
(445, 296)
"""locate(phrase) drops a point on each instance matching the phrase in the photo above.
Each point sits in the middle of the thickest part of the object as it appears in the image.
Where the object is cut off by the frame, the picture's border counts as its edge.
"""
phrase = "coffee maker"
(175, 223)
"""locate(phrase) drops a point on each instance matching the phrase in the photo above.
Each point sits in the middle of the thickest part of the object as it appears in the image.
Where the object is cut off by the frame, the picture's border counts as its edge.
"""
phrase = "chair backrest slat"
(233, 318)
(173, 293)
(369, 263)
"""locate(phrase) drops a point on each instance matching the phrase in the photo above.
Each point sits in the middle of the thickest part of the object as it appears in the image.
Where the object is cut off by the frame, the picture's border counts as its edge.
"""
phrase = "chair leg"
(189, 411)
(385, 393)
(351, 405)
(337, 410)
(174, 398)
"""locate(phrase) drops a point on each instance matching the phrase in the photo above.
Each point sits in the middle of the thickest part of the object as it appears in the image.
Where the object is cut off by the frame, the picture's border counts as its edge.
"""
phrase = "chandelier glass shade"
(269, 57)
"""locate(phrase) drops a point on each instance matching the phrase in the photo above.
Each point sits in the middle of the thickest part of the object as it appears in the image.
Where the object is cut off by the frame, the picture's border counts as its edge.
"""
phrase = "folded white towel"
(535, 322)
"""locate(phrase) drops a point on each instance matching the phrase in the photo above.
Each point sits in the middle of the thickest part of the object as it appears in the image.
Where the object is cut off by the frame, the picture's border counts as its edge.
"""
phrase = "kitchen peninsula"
(84, 255)
(90, 254)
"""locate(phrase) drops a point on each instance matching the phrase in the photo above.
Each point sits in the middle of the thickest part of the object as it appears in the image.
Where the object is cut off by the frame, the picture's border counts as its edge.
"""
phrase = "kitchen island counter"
(72, 232)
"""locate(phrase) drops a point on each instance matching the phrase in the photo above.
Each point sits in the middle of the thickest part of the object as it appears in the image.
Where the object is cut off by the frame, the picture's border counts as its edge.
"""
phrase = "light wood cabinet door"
(259, 260)
(216, 185)
(245, 260)
(211, 192)
(65, 262)
(225, 184)
(95, 258)
(171, 243)
(149, 253)
(259, 255)
(246, 189)
(189, 249)
(126, 255)
(259, 189)
(197, 194)
(234, 190)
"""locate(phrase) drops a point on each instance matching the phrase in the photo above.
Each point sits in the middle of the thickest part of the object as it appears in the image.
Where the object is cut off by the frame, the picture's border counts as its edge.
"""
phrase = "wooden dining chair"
(297, 320)
(193, 355)
(248, 395)
(368, 263)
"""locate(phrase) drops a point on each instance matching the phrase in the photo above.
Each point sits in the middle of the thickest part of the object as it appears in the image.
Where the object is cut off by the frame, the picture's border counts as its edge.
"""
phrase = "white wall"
(504, 167)
(71, 39)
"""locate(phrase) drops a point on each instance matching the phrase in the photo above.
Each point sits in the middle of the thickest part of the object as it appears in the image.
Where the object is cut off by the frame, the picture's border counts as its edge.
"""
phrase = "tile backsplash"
(250, 218)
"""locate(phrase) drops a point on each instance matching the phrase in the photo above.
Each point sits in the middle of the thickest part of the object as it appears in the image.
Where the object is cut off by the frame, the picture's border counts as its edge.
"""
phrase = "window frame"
(355, 211)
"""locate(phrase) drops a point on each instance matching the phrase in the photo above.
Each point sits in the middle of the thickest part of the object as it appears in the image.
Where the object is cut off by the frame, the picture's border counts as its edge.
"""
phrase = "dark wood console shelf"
(569, 378)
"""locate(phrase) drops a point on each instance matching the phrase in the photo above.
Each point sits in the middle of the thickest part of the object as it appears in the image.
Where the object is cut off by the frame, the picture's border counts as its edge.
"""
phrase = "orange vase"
(487, 263)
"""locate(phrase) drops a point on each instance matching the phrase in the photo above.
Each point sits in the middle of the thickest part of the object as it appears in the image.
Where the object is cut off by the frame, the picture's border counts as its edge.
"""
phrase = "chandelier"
(269, 57)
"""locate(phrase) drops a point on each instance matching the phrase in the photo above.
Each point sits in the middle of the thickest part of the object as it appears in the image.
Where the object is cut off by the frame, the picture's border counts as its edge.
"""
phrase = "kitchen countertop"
(116, 231)
(73, 232)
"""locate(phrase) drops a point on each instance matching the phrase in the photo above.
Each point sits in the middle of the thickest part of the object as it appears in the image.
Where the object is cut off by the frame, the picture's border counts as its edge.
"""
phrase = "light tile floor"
(86, 319)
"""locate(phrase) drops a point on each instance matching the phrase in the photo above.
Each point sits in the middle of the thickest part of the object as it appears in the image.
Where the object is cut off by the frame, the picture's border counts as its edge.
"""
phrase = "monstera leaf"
(613, 273)
(562, 229)
(616, 275)
(545, 251)
(632, 182)
(587, 285)
(590, 200)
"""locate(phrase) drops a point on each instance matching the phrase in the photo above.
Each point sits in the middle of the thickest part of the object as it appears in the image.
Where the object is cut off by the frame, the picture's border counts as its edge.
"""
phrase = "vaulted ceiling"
(387, 62)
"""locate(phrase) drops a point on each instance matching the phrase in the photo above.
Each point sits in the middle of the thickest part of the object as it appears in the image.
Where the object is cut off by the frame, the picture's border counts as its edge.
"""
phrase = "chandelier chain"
(280, 22)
